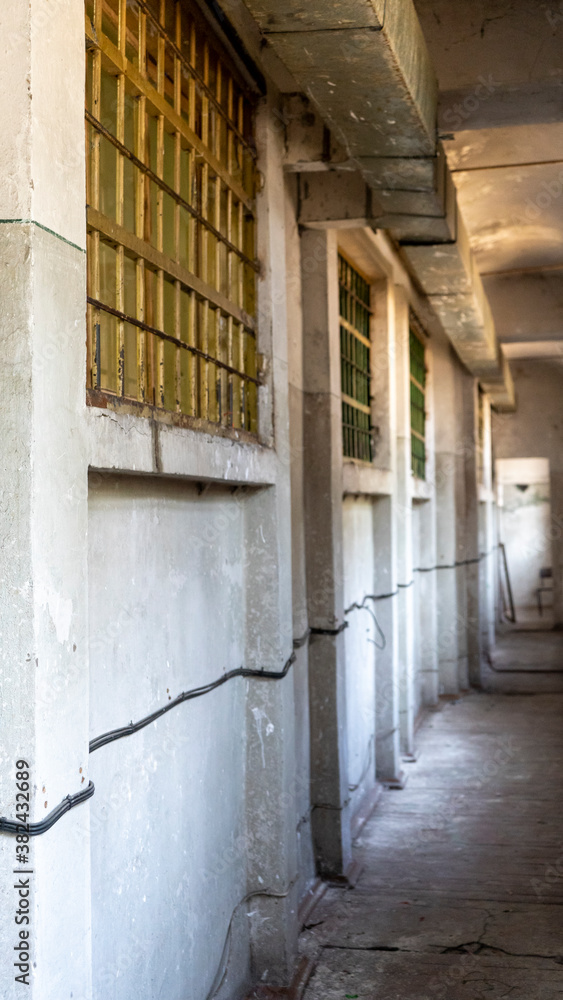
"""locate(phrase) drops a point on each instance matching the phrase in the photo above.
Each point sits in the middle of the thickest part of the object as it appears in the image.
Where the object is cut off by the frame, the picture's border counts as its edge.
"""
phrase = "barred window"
(355, 349)
(172, 268)
(418, 399)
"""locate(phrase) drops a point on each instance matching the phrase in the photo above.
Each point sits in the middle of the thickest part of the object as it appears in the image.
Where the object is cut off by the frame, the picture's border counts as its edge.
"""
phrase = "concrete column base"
(329, 794)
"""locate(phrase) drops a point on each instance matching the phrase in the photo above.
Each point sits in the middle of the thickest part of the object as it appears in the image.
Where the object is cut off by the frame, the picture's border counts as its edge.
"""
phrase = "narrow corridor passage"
(461, 891)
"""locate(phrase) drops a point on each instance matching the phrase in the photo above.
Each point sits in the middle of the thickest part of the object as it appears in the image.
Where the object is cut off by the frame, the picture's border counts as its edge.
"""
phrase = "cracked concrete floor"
(461, 894)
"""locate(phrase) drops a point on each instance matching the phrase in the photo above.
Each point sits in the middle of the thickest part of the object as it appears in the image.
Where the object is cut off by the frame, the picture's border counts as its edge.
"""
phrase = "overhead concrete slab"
(501, 390)
(548, 349)
(527, 307)
(400, 173)
(334, 198)
(373, 84)
(366, 70)
(419, 228)
(501, 121)
(470, 329)
(514, 215)
(514, 146)
(444, 269)
(317, 15)
(448, 276)
(506, 41)
(487, 105)
(353, 79)
(435, 200)
(309, 145)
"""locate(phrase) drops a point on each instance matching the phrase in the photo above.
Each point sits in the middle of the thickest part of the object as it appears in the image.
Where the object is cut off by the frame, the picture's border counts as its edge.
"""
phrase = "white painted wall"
(167, 613)
(525, 526)
(418, 600)
(360, 638)
(535, 430)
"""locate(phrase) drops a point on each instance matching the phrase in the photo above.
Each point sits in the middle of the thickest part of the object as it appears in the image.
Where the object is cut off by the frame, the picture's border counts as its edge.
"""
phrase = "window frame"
(224, 366)
(351, 403)
(418, 389)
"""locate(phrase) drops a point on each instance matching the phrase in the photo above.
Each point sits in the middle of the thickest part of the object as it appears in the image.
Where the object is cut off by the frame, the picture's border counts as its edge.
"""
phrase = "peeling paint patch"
(60, 610)
(259, 717)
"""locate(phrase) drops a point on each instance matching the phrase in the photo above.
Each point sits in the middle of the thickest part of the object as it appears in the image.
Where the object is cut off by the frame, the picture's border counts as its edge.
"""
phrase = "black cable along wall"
(68, 803)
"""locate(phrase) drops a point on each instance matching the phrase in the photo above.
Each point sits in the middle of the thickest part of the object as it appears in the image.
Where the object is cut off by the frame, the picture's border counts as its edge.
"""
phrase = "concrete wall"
(168, 612)
(524, 525)
(360, 641)
(523, 490)
(186, 554)
(487, 525)
(536, 431)
(43, 513)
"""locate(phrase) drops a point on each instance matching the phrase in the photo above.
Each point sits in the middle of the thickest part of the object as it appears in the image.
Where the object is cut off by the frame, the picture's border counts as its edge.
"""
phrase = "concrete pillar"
(387, 682)
(270, 786)
(270, 789)
(461, 447)
(473, 607)
(445, 403)
(325, 571)
(426, 625)
(487, 538)
(387, 685)
(556, 485)
(427, 617)
(295, 463)
(43, 511)
(403, 522)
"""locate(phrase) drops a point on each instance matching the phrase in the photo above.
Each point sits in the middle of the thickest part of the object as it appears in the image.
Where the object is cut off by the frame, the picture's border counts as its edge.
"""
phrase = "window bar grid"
(418, 403)
(237, 393)
(222, 378)
(119, 201)
(94, 194)
(244, 341)
(176, 211)
(191, 69)
(160, 345)
(355, 345)
(195, 406)
(204, 374)
(204, 314)
(141, 277)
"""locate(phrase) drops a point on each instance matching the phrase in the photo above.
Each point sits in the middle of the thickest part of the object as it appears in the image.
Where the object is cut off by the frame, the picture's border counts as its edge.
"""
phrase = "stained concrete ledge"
(359, 478)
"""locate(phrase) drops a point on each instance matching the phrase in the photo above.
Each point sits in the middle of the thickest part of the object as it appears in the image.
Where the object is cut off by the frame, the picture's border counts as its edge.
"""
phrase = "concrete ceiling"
(500, 74)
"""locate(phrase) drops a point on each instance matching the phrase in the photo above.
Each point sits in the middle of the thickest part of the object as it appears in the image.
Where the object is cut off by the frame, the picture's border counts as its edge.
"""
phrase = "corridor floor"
(461, 894)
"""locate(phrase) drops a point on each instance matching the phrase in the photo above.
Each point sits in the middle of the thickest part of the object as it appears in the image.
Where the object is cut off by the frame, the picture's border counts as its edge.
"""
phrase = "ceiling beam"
(537, 269)
(490, 105)
(505, 166)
